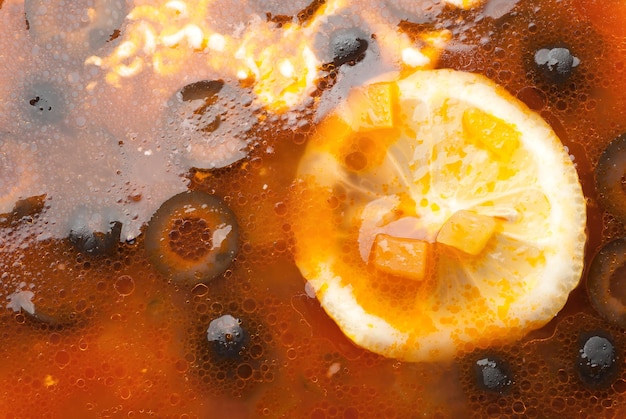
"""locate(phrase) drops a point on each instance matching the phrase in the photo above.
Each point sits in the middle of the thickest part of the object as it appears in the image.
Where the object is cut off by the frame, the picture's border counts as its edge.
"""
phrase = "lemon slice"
(437, 214)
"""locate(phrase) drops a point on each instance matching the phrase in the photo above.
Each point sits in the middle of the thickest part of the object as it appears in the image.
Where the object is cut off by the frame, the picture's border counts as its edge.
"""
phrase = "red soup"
(191, 197)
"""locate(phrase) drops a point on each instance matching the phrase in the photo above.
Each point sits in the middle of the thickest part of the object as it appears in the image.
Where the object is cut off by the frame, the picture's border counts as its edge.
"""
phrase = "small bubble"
(124, 285)
(244, 371)
(280, 209)
(54, 339)
(249, 306)
(62, 358)
(200, 290)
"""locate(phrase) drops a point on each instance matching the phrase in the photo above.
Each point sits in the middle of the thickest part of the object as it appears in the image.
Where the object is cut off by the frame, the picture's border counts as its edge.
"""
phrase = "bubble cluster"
(574, 371)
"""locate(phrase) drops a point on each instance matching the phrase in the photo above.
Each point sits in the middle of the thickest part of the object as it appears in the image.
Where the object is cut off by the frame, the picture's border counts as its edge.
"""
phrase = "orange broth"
(114, 338)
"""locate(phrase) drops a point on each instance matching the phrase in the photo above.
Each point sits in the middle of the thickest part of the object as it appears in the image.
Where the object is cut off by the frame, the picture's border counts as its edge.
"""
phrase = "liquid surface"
(103, 118)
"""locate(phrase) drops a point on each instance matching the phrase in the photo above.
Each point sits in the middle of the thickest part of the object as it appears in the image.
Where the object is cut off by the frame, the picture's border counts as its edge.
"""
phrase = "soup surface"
(149, 153)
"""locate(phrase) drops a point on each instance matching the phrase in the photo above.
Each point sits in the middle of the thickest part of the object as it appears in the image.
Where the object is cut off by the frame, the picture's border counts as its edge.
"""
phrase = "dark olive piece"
(193, 237)
(348, 47)
(205, 90)
(63, 26)
(610, 175)
(197, 98)
(597, 359)
(96, 242)
(24, 210)
(606, 282)
(227, 336)
(557, 64)
(492, 374)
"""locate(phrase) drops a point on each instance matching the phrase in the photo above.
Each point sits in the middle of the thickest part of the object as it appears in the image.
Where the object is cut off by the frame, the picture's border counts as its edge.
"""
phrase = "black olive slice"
(610, 177)
(58, 299)
(227, 336)
(348, 47)
(24, 210)
(606, 282)
(210, 123)
(492, 374)
(193, 237)
(96, 242)
(78, 27)
(230, 353)
(597, 359)
(64, 315)
(196, 99)
(557, 64)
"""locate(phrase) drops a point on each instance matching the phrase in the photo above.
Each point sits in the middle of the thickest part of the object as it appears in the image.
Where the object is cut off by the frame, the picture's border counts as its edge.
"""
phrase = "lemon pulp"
(438, 214)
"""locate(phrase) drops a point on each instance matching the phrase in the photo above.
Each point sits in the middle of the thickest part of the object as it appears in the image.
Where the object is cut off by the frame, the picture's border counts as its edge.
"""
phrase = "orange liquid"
(118, 340)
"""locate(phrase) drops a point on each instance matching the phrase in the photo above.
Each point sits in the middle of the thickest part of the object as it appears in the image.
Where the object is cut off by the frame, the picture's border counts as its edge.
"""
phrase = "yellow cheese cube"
(408, 258)
(467, 231)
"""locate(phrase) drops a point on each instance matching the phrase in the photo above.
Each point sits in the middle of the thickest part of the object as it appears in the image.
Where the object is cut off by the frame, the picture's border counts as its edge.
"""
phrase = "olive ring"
(611, 176)
(607, 268)
(193, 237)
